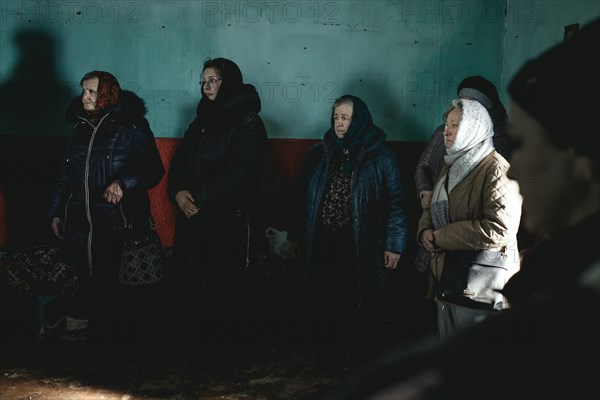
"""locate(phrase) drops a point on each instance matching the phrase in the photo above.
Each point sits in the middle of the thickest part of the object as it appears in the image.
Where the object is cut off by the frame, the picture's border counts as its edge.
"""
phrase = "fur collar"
(130, 107)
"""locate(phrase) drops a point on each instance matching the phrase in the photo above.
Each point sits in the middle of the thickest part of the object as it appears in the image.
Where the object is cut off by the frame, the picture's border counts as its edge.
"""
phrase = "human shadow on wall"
(32, 124)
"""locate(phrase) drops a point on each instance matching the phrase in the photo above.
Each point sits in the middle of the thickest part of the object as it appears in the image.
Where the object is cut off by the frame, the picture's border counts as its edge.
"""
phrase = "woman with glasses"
(351, 227)
(214, 180)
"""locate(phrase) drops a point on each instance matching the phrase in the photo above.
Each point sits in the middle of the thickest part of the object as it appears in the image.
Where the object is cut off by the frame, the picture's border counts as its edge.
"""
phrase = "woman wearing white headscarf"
(474, 206)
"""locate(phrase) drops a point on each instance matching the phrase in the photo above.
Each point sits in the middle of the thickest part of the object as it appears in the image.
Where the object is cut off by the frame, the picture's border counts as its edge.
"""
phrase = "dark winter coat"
(378, 220)
(219, 160)
(120, 147)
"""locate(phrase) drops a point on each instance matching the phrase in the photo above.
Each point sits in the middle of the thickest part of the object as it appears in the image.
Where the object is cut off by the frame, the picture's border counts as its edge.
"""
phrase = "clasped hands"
(428, 240)
(186, 203)
(113, 193)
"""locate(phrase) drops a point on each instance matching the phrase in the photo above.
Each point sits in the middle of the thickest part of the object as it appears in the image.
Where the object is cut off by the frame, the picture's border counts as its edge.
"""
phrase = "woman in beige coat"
(475, 210)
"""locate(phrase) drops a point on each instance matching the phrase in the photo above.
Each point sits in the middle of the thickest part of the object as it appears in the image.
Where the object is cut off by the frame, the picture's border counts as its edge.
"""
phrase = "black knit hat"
(479, 89)
(558, 89)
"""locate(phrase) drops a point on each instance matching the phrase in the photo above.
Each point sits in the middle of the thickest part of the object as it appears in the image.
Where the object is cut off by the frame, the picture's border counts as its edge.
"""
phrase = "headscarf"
(231, 81)
(485, 92)
(472, 144)
(234, 99)
(361, 131)
(108, 90)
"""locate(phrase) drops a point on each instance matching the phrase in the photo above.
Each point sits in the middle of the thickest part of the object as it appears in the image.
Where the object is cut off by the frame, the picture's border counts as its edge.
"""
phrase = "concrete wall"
(404, 58)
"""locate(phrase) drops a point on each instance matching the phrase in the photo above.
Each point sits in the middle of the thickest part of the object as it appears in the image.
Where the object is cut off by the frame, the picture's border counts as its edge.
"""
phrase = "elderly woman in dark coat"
(351, 224)
(110, 164)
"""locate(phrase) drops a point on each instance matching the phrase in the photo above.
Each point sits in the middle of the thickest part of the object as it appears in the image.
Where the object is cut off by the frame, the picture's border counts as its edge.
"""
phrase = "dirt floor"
(81, 374)
(164, 355)
(165, 359)
(156, 370)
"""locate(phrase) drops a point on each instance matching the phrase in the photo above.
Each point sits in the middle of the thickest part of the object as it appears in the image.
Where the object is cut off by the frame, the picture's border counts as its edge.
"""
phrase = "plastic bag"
(278, 243)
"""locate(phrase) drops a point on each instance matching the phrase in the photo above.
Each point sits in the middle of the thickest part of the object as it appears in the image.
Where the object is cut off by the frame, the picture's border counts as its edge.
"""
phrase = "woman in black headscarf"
(350, 224)
(214, 179)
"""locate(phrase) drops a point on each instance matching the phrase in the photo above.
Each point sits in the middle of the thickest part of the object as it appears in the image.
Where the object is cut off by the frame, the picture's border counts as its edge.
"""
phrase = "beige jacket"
(485, 212)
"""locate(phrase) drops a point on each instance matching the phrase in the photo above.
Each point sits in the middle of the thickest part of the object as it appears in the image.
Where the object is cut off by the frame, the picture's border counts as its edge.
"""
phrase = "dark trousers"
(212, 274)
(334, 309)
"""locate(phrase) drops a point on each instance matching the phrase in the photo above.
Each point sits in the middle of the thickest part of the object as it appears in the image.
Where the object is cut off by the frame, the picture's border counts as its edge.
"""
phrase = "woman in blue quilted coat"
(350, 224)
(101, 193)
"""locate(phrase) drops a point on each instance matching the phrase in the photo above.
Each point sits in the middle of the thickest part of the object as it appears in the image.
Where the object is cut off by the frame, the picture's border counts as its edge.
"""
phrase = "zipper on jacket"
(67, 207)
(123, 215)
(247, 240)
(87, 190)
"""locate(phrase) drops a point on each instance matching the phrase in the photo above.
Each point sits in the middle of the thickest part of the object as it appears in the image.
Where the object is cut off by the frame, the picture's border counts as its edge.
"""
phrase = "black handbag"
(143, 260)
(474, 278)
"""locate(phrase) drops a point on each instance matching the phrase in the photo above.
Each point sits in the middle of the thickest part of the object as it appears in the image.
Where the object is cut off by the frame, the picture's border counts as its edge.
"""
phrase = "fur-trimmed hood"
(130, 107)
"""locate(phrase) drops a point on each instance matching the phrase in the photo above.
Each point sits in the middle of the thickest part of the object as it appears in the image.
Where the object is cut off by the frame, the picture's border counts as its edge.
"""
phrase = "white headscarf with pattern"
(472, 144)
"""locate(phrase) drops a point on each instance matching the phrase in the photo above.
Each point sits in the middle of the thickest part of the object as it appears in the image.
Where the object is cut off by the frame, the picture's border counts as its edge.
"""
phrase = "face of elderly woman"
(551, 180)
(211, 83)
(90, 94)
(342, 116)
(452, 122)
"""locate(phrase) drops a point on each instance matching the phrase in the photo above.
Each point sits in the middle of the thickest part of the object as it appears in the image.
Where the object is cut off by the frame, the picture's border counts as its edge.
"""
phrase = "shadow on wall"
(32, 108)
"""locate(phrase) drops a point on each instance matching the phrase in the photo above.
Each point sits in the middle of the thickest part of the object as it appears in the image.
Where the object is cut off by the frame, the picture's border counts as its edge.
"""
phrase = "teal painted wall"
(404, 58)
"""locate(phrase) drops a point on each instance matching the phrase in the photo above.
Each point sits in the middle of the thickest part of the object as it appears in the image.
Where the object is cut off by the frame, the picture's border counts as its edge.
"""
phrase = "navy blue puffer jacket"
(120, 147)
(378, 220)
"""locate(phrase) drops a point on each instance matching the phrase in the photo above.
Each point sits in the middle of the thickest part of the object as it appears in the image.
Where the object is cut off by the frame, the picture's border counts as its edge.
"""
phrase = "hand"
(113, 193)
(295, 249)
(57, 227)
(391, 259)
(428, 239)
(186, 203)
(426, 199)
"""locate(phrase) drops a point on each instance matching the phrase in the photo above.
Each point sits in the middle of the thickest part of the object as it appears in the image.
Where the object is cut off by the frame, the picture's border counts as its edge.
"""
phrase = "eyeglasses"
(211, 81)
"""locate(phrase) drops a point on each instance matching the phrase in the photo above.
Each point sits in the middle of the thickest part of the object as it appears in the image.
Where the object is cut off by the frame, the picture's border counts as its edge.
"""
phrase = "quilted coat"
(120, 147)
